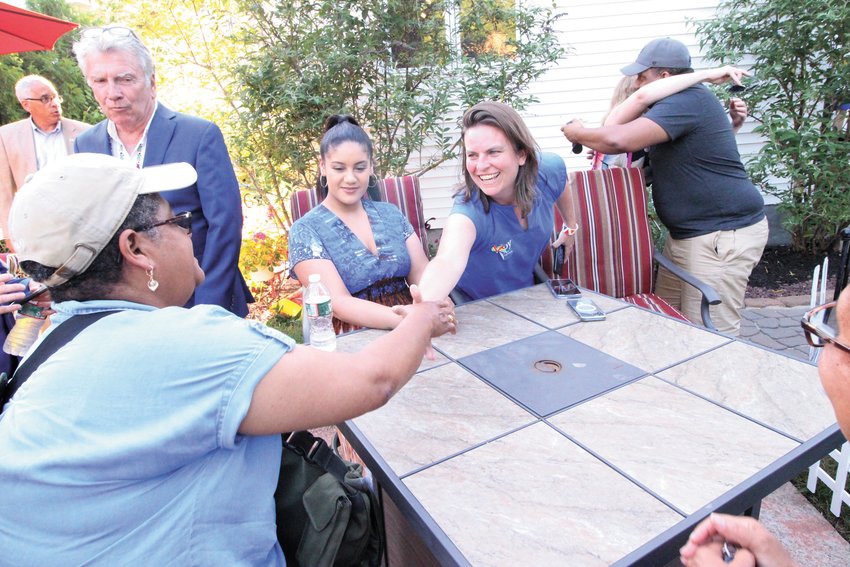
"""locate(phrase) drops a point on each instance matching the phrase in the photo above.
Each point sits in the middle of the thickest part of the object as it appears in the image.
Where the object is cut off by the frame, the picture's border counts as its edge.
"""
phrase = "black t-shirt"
(699, 183)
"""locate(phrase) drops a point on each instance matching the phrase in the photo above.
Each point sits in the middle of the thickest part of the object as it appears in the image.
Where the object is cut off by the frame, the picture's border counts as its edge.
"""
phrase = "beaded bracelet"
(569, 230)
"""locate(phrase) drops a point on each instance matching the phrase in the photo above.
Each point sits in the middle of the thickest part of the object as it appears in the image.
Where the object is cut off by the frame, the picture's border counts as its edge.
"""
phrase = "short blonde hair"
(625, 87)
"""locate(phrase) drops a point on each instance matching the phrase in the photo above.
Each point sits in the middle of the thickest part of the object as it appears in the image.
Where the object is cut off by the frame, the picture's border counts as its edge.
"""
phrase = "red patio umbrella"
(23, 30)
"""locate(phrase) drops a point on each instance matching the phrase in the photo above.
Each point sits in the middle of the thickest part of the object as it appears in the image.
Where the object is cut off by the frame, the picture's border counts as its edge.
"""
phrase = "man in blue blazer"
(120, 72)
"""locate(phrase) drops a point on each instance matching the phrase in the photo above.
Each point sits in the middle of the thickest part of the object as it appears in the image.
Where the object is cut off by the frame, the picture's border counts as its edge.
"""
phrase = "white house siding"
(602, 36)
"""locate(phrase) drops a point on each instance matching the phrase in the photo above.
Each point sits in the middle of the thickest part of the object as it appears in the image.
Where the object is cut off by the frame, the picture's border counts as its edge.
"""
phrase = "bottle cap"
(314, 278)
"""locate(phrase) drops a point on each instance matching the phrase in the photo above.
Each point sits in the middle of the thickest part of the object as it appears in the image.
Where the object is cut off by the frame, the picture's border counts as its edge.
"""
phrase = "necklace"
(138, 154)
(122, 152)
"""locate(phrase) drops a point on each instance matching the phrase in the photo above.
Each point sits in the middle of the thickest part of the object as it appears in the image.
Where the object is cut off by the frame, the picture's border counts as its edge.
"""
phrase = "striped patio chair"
(614, 254)
(403, 192)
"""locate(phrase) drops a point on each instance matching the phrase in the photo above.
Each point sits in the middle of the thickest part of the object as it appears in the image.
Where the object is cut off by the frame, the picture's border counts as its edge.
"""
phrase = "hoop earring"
(152, 283)
(323, 182)
(372, 190)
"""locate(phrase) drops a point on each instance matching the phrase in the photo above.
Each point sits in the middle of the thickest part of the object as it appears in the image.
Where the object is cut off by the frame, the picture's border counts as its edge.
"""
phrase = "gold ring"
(451, 318)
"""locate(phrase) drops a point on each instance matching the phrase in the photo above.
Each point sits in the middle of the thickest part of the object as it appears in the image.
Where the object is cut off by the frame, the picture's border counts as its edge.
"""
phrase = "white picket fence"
(838, 484)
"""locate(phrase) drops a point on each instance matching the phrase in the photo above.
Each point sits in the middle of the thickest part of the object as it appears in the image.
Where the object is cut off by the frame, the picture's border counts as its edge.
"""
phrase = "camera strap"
(56, 339)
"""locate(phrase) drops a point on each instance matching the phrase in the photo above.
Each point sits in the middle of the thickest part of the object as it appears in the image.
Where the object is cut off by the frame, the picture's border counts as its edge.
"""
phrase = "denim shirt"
(123, 447)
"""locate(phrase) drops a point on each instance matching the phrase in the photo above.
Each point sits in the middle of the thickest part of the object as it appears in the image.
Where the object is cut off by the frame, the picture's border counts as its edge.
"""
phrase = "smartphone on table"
(563, 287)
(586, 309)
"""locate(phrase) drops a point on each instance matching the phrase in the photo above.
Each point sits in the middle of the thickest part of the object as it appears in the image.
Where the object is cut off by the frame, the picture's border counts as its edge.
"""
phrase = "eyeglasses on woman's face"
(818, 332)
(183, 220)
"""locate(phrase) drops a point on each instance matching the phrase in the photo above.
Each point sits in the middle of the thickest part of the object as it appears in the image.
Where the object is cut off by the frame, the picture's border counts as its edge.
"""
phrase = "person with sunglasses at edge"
(722, 540)
(29, 144)
(120, 71)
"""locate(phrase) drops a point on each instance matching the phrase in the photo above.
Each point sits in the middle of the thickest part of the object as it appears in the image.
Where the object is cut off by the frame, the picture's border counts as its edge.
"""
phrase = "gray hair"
(23, 86)
(92, 42)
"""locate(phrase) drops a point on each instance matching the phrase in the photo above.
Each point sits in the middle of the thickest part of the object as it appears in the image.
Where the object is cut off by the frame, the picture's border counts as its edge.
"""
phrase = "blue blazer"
(214, 200)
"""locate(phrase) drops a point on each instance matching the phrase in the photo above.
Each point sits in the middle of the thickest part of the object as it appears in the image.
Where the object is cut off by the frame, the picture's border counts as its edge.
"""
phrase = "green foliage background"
(799, 52)
(388, 64)
(270, 72)
(58, 65)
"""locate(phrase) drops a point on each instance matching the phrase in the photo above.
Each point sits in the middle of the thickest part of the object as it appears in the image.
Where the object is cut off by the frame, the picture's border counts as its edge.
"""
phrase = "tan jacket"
(17, 159)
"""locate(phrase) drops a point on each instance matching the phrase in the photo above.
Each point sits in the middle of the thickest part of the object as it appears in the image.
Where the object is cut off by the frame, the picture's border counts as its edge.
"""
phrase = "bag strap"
(57, 338)
(315, 450)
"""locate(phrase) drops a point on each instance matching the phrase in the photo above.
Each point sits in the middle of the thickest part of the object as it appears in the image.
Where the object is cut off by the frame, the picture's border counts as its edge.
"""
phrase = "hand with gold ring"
(444, 320)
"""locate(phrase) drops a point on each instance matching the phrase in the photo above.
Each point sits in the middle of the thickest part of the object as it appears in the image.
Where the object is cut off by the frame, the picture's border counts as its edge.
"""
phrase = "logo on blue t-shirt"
(503, 250)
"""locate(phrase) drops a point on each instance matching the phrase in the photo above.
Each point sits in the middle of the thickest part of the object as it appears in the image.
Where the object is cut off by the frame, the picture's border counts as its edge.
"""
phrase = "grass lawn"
(291, 327)
(822, 497)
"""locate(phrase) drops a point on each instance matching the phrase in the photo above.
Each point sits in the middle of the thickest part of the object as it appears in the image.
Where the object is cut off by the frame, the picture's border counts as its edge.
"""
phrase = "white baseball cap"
(67, 212)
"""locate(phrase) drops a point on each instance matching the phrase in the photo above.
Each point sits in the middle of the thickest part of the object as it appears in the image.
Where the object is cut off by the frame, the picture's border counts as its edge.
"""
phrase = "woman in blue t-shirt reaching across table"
(366, 252)
(503, 215)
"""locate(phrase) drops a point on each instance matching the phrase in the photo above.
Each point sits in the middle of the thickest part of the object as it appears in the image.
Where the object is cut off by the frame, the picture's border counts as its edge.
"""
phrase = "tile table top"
(547, 372)
(536, 498)
(780, 392)
(482, 325)
(508, 472)
(648, 429)
(439, 413)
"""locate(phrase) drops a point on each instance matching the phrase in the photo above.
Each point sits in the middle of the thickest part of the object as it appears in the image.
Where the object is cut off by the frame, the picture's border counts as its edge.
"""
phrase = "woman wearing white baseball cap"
(151, 438)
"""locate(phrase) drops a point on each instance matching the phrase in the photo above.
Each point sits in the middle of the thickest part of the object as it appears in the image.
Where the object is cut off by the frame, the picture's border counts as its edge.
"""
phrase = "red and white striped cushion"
(613, 251)
(300, 202)
(404, 193)
(655, 303)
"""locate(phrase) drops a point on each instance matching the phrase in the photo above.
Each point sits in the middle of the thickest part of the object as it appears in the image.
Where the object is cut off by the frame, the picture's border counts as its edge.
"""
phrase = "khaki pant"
(722, 259)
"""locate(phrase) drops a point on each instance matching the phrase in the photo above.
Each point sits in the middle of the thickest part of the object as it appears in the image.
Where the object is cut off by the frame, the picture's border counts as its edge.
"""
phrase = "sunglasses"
(817, 332)
(183, 220)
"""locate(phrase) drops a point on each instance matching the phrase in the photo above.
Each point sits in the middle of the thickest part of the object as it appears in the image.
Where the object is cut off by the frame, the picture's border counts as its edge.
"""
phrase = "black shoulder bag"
(327, 515)
(57, 338)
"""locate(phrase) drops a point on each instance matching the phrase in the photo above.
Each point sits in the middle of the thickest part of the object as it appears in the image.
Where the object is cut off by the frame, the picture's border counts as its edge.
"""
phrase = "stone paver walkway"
(775, 324)
(777, 328)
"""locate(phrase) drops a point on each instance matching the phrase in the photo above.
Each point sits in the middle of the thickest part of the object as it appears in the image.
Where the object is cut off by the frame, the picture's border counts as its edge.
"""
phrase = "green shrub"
(798, 50)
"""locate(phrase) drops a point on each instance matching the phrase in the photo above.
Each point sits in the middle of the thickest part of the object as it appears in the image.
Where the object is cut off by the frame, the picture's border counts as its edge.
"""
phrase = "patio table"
(538, 439)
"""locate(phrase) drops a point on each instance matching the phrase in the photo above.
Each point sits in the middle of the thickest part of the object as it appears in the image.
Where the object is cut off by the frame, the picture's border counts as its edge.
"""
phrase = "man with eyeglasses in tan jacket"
(29, 144)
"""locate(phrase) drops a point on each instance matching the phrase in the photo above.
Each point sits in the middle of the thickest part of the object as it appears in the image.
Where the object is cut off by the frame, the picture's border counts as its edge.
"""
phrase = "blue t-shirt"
(699, 184)
(123, 447)
(503, 255)
(320, 234)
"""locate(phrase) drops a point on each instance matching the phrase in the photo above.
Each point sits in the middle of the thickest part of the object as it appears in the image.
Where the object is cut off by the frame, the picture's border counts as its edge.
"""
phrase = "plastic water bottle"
(305, 321)
(319, 313)
(28, 323)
